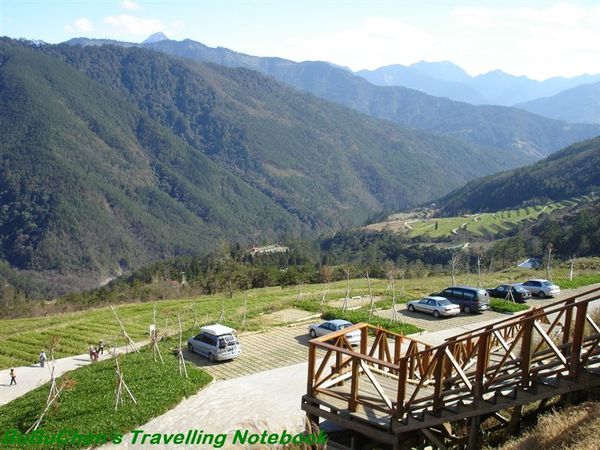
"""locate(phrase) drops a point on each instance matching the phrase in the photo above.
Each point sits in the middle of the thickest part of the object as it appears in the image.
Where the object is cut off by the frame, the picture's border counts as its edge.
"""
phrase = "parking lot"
(278, 347)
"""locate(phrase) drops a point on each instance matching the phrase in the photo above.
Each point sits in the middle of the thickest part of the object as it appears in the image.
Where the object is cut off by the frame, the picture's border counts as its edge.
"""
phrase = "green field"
(87, 405)
(484, 224)
(22, 339)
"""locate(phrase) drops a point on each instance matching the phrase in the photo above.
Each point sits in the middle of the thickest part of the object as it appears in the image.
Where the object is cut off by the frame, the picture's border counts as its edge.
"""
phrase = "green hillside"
(571, 172)
(134, 156)
(91, 183)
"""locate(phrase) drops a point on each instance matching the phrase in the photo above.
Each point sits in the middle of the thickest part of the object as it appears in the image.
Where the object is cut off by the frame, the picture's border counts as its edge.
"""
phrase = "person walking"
(101, 347)
(43, 358)
(13, 376)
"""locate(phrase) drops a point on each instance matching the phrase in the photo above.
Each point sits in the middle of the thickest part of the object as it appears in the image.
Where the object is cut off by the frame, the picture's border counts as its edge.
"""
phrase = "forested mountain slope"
(126, 155)
(506, 128)
(570, 172)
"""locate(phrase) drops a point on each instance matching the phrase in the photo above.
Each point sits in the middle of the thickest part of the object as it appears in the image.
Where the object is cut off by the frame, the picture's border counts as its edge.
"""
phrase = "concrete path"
(265, 401)
(31, 377)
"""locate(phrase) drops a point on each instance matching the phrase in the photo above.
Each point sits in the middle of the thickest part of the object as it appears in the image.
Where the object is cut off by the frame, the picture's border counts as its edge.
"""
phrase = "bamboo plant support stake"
(128, 340)
(182, 367)
(121, 385)
(154, 338)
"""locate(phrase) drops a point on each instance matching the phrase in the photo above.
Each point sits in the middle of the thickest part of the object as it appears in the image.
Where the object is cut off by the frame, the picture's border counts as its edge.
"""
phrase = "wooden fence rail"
(397, 383)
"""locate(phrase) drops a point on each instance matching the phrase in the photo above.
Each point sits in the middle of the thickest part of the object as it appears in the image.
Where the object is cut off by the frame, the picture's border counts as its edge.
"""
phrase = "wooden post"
(577, 339)
(402, 374)
(312, 356)
(397, 348)
(363, 339)
(439, 361)
(474, 442)
(526, 351)
(353, 402)
(482, 362)
(568, 320)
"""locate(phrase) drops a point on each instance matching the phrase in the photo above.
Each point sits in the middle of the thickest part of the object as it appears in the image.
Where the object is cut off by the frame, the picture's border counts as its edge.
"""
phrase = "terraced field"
(484, 224)
(22, 339)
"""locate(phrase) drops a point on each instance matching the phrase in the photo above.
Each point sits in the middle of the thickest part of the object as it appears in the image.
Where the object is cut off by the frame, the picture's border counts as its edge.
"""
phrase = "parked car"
(216, 342)
(331, 326)
(438, 306)
(519, 293)
(470, 299)
(541, 288)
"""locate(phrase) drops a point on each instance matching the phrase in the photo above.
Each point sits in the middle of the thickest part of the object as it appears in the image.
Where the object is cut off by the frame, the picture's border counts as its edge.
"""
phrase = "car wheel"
(313, 333)
(211, 357)
(467, 310)
(436, 314)
(541, 294)
(190, 348)
(411, 308)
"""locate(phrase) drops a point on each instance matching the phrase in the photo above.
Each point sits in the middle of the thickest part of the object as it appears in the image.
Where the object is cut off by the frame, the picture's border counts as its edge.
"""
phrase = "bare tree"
(454, 266)
(572, 263)
(346, 303)
(549, 262)
(372, 300)
(479, 281)
(392, 275)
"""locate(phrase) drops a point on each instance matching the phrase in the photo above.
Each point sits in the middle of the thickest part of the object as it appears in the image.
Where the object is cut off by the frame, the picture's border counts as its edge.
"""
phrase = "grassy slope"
(22, 339)
(89, 405)
(572, 428)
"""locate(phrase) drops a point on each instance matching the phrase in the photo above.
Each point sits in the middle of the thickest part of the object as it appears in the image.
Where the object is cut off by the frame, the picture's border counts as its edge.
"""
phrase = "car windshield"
(344, 325)
(547, 283)
(444, 302)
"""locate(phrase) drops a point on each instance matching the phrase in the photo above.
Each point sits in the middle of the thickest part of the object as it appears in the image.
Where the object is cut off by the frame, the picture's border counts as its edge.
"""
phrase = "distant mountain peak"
(156, 37)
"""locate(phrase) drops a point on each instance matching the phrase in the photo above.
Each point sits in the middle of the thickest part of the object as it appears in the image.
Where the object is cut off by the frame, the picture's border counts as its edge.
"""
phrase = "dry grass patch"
(575, 427)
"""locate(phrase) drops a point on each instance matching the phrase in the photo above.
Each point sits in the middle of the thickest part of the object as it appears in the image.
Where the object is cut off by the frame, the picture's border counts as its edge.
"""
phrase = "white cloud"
(129, 5)
(129, 25)
(377, 41)
(82, 24)
(540, 42)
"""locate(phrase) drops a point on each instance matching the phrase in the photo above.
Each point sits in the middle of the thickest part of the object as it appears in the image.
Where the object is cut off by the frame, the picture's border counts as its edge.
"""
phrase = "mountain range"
(579, 104)
(445, 79)
(115, 156)
(509, 130)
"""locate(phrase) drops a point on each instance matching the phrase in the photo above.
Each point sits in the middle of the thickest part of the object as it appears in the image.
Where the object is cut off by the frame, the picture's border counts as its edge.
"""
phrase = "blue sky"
(538, 39)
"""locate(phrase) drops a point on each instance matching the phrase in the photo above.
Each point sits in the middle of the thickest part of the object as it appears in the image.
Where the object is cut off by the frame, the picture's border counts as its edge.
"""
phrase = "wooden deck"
(392, 385)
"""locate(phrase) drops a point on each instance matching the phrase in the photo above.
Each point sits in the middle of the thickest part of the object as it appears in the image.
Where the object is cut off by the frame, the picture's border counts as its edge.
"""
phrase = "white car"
(438, 306)
(331, 326)
(216, 342)
(542, 288)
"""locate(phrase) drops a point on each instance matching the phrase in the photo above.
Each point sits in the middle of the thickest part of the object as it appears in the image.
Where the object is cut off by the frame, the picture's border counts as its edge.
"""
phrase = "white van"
(216, 342)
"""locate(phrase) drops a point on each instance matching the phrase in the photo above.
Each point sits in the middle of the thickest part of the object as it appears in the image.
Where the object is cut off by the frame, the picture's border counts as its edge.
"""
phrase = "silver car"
(438, 306)
(541, 288)
(216, 342)
(331, 326)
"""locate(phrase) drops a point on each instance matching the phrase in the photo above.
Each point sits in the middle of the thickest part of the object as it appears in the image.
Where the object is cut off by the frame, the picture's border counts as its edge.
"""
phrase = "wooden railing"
(559, 340)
